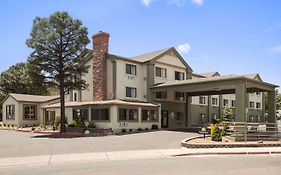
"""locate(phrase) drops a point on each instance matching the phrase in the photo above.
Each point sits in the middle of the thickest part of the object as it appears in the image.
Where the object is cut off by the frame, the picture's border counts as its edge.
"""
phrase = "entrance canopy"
(215, 85)
(230, 84)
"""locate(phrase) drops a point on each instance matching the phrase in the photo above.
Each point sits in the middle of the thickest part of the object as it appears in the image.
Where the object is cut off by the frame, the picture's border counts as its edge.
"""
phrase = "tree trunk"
(62, 104)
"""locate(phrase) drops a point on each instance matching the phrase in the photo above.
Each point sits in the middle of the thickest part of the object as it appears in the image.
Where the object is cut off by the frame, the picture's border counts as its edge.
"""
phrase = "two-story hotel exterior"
(120, 92)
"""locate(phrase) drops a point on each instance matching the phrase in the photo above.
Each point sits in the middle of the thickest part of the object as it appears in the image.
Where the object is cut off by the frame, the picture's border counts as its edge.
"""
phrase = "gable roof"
(210, 74)
(154, 56)
(253, 76)
(150, 55)
(32, 98)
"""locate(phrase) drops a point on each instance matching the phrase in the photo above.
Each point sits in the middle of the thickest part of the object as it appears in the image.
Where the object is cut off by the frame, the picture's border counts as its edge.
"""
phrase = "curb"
(229, 153)
(185, 144)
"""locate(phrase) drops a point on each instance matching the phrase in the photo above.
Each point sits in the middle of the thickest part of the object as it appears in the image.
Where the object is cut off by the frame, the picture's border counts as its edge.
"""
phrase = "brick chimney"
(100, 50)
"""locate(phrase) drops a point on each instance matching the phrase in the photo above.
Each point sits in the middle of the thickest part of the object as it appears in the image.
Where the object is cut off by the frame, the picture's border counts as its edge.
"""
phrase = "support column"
(220, 106)
(209, 108)
(241, 102)
(188, 110)
(263, 106)
(271, 106)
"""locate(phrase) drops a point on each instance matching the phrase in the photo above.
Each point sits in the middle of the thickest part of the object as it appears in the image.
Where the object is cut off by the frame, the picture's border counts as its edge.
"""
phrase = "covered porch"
(241, 86)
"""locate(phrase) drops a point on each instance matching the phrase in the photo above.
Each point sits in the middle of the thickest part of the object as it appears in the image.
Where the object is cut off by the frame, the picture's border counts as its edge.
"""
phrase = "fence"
(244, 131)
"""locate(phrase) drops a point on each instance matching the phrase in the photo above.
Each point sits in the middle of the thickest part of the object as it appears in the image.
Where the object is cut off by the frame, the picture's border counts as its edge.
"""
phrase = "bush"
(216, 133)
(32, 129)
(91, 125)
(130, 130)
(42, 126)
(4, 125)
(123, 130)
(57, 122)
(146, 129)
(139, 129)
(73, 124)
(225, 129)
(154, 126)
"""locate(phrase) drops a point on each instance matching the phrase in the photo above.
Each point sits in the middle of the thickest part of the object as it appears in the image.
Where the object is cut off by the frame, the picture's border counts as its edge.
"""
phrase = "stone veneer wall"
(100, 51)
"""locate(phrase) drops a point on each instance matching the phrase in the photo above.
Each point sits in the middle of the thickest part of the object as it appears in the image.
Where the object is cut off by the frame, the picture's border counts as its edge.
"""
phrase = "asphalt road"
(205, 165)
(18, 144)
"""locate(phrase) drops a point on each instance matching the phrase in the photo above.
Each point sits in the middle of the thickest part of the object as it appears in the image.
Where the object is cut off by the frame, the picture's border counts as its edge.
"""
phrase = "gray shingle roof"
(148, 56)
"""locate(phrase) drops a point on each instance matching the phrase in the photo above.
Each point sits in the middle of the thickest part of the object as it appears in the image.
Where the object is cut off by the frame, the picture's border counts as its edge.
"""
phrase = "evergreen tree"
(56, 42)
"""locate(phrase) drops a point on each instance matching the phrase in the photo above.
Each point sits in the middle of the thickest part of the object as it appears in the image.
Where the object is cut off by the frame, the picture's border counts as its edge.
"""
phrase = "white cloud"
(276, 49)
(198, 2)
(146, 2)
(177, 2)
(184, 48)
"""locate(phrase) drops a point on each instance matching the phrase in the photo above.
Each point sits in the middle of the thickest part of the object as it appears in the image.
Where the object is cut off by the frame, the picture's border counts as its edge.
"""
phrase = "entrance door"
(164, 119)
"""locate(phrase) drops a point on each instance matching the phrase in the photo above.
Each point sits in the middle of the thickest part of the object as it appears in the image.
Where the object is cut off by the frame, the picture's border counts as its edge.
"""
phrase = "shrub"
(225, 129)
(4, 125)
(154, 126)
(216, 133)
(42, 126)
(73, 124)
(91, 125)
(146, 129)
(139, 129)
(123, 130)
(130, 130)
(57, 122)
(32, 129)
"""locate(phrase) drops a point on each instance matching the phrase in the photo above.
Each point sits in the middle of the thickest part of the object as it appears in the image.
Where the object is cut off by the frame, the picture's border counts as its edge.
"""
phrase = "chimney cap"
(100, 33)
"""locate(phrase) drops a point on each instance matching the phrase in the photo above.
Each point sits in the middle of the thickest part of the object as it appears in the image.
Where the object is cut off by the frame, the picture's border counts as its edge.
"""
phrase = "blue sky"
(230, 36)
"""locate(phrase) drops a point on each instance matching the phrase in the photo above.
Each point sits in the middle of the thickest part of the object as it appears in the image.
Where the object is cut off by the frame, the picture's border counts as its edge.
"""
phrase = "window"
(131, 92)
(252, 104)
(29, 112)
(149, 115)
(161, 72)
(131, 69)
(99, 114)
(179, 75)
(128, 115)
(179, 116)
(225, 102)
(10, 112)
(258, 105)
(202, 100)
(179, 96)
(75, 96)
(214, 101)
(233, 103)
(258, 93)
(161, 95)
(80, 114)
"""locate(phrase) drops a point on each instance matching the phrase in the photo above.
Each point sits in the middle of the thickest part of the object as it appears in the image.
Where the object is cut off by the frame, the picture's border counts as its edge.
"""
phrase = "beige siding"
(124, 80)
(11, 101)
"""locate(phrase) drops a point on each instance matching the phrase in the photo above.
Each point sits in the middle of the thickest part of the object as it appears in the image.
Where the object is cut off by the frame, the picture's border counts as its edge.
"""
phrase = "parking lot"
(17, 144)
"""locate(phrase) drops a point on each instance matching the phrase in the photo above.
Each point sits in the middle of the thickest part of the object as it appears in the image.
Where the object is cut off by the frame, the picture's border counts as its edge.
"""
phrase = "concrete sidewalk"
(130, 155)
